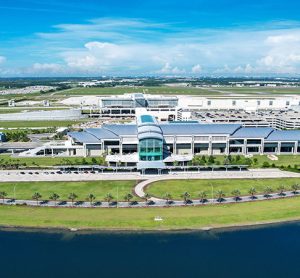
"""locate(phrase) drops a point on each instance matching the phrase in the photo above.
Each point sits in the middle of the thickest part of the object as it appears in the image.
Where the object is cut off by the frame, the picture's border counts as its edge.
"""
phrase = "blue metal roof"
(83, 137)
(197, 128)
(284, 135)
(252, 132)
(125, 129)
(101, 133)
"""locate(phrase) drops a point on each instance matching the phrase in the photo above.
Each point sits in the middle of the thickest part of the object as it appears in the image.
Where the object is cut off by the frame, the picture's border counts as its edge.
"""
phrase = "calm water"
(260, 252)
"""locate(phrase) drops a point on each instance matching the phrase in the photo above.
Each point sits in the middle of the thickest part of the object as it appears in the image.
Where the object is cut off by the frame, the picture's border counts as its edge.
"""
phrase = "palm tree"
(147, 196)
(168, 198)
(3, 194)
(236, 194)
(202, 196)
(108, 198)
(128, 197)
(185, 197)
(281, 189)
(295, 187)
(54, 197)
(252, 192)
(268, 190)
(91, 197)
(220, 195)
(72, 197)
(36, 196)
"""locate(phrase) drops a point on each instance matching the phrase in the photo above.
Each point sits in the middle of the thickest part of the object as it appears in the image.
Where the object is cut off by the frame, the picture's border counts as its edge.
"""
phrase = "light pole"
(212, 194)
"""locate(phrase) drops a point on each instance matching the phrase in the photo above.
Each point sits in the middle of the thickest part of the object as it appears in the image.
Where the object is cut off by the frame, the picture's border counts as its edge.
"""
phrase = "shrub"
(266, 164)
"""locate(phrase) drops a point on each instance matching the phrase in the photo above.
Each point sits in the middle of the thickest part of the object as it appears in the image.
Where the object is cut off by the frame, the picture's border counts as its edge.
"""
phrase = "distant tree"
(147, 196)
(186, 196)
(281, 189)
(295, 187)
(168, 198)
(267, 191)
(91, 198)
(108, 198)
(128, 197)
(72, 197)
(220, 195)
(36, 196)
(202, 196)
(54, 197)
(236, 194)
(3, 194)
(252, 192)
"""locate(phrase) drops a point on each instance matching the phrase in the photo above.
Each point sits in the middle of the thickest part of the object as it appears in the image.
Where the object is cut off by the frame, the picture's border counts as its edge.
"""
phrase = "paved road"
(45, 175)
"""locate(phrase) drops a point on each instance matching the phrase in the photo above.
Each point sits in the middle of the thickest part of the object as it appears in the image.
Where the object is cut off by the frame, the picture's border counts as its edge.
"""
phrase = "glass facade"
(151, 149)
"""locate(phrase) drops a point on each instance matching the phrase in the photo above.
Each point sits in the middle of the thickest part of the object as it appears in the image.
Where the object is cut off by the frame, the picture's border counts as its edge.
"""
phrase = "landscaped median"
(175, 188)
(221, 215)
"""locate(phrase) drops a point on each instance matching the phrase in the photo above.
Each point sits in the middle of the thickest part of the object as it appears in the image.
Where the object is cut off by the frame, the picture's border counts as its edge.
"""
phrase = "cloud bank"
(138, 47)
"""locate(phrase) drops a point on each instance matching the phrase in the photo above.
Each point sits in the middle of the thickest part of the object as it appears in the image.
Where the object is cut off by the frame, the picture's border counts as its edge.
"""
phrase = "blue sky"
(182, 38)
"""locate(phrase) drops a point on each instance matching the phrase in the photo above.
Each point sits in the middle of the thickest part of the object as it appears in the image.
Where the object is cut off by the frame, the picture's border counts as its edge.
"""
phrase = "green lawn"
(284, 160)
(177, 187)
(49, 161)
(24, 124)
(143, 218)
(217, 91)
(25, 190)
(148, 90)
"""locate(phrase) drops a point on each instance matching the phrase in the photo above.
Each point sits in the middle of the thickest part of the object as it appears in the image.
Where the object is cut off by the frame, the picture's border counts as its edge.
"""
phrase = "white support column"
(278, 147)
(295, 147)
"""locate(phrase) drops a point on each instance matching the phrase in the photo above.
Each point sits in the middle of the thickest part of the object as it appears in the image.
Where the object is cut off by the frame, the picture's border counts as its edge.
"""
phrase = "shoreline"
(85, 230)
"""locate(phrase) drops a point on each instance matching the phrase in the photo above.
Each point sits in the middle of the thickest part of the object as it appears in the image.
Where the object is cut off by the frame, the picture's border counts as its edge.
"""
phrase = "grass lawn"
(24, 124)
(177, 187)
(218, 91)
(143, 218)
(25, 190)
(148, 90)
(284, 160)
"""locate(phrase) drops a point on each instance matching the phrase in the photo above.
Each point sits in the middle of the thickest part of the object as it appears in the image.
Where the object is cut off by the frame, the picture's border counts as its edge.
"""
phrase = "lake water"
(272, 251)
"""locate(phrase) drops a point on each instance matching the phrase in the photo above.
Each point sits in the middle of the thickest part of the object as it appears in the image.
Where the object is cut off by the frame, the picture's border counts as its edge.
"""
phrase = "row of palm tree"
(186, 196)
(236, 194)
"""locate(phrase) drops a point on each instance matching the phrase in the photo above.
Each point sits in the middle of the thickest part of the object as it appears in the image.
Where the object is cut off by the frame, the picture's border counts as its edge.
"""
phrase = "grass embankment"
(177, 187)
(143, 218)
(25, 190)
(257, 161)
(49, 161)
(148, 90)
(24, 124)
(218, 91)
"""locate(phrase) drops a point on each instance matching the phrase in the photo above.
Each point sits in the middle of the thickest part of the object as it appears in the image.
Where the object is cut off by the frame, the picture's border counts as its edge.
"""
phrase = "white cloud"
(2, 59)
(132, 46)
(196, 69)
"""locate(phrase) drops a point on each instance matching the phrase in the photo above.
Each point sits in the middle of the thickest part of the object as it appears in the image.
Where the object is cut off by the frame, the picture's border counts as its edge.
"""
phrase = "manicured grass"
(177, 187)
(49, 161)
(143, 218)
(217, 91)
(148, 90)
(25, 190)
(23, 124)
(284, 160)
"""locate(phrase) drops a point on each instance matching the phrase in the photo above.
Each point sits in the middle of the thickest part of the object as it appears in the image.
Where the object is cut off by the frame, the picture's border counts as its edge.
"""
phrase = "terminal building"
(148, 142)
(164, 107)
